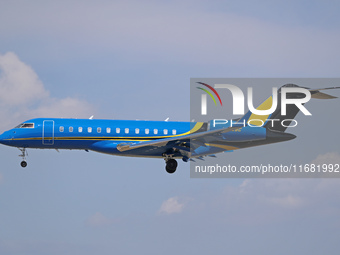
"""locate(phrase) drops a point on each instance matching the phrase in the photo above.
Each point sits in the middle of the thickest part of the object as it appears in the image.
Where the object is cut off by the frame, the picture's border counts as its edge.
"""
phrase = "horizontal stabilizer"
(320, 95)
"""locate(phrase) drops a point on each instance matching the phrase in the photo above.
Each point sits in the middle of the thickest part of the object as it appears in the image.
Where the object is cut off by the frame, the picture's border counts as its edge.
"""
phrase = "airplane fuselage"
(107, 136)
(92, 134)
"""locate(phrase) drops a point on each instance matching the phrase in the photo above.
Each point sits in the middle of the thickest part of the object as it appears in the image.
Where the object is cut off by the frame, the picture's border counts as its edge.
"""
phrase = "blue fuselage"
(87, 134)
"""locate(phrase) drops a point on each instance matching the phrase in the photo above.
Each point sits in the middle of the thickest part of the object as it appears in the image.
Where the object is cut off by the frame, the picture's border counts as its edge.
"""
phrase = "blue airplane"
(157, 139)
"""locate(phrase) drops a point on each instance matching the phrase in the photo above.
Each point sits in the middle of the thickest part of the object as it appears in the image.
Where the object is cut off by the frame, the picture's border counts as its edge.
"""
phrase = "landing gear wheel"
(171, 166)
(23, 156)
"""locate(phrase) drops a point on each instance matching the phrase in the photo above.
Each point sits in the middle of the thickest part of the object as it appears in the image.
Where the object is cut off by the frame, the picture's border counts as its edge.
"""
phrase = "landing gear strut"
(23, 156)
(171, 165)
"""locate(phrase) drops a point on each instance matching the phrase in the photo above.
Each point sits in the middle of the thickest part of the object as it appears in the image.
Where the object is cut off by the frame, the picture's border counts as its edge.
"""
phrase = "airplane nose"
(1, 138)
(4, 138)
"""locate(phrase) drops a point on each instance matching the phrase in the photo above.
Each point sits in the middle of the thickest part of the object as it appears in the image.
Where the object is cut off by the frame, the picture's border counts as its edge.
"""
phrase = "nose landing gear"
(23, 156)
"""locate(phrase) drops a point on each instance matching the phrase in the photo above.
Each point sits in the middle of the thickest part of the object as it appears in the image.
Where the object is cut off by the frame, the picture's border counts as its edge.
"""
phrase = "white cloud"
(99, 220)
(272, 192)
(23, 96)
(327, 158)
(287, 201)
(170, 206)
(19, 84)
(263, 201)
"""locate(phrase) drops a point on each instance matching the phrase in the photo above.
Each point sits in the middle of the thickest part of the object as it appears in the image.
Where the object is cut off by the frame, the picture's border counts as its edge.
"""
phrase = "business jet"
(169, 140)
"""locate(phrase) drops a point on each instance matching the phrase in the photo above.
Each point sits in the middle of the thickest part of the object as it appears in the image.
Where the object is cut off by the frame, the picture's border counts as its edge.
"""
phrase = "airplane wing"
(200, 138)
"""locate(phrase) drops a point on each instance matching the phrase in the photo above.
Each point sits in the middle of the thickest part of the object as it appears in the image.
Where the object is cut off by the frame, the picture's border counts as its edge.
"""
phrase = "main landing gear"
(170, 164)
(23, 156)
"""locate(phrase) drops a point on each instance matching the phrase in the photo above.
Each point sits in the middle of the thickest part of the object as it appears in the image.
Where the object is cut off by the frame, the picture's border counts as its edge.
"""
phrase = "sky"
(134, 60)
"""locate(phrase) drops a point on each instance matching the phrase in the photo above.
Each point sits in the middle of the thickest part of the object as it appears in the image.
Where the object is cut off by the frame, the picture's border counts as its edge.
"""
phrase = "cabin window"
(174, 131)
(99, 130)
(165, 131)
(80, 129)
(137, 130)
(117, 130)
(147, 131)
(155, 131)
(61, 129)
(89, 129)
(108, 130)
(126, 130)
(70, 129)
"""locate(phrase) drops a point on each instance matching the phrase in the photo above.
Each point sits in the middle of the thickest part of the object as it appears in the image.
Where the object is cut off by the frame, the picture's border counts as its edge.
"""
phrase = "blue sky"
(134, 60)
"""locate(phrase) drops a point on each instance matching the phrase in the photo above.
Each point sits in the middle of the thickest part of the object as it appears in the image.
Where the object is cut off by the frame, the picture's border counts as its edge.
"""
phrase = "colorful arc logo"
(209, 93)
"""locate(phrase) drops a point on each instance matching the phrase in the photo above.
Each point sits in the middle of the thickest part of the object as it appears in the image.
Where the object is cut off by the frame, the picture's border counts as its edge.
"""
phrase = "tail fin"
(291, 109)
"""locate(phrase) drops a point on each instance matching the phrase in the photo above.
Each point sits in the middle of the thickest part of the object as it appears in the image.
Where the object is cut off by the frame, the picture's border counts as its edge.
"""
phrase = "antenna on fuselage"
(91, 117)
(167, 119)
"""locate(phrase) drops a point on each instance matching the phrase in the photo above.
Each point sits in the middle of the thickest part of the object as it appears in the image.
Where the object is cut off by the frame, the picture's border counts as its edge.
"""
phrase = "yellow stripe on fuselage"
(197, 126)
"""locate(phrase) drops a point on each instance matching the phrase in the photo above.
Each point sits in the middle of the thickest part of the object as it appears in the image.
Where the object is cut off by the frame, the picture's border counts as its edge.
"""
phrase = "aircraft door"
(48, 132)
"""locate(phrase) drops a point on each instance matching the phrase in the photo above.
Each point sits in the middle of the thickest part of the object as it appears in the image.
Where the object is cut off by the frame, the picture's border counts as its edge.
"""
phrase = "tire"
(171, 166)
(23, 163)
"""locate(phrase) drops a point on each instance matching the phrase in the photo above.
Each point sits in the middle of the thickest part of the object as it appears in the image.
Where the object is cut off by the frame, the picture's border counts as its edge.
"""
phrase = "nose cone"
(1, 138)
(5, 138)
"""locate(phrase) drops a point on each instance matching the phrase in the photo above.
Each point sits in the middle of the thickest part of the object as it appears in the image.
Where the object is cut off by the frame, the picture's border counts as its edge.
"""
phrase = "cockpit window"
(28, 125)
(25, 125)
